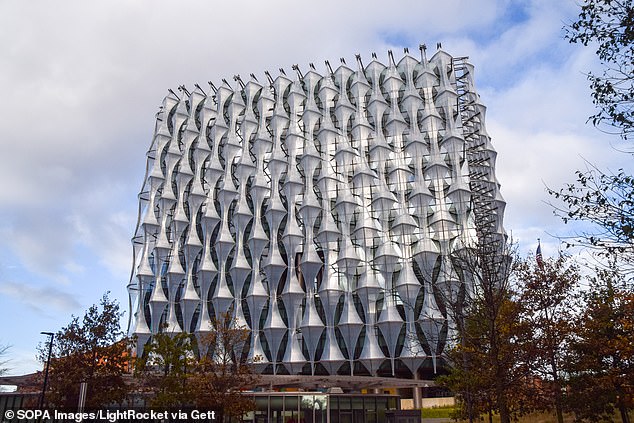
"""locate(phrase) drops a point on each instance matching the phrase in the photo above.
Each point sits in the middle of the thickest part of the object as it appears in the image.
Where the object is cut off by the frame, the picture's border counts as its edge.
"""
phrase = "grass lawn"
(437, 412)
(531, 418)
(535, 418)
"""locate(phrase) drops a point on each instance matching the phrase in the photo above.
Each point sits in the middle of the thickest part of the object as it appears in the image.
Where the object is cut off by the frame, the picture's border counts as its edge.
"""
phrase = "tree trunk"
(500, 392)
(625, 418)
(558, 401)
(470, 407)
(500, 373)
(560, 413)
(465, 365)
(620, 403)
(504, 410)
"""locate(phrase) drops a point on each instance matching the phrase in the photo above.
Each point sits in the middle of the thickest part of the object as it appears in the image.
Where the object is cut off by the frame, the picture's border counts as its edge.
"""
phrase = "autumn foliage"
(205, 372)
(92, 349)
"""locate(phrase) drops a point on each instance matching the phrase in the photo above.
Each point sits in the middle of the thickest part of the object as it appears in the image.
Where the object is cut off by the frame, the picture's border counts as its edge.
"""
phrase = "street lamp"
(48, 362)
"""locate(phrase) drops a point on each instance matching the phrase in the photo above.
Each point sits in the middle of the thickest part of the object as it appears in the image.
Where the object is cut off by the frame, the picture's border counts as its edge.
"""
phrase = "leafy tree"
(471, 386)
(164, 369)
(547, 297)
(488, 363)
(601, 361)
(609, 24)
(92, 350)
(488, 369)
(222, 372)
(210, 373)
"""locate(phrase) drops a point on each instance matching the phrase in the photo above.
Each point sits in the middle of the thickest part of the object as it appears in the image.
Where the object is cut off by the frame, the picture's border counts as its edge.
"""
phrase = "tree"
(92, 350)
(488, 371)
(208, 372)
(488, 365)
(546, 294)
(601, 360)
(609, 24)
(222, 372)
(164, 369)
(471, 386)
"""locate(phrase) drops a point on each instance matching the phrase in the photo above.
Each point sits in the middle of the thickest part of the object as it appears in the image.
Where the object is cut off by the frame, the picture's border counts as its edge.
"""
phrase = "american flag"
(538, 256)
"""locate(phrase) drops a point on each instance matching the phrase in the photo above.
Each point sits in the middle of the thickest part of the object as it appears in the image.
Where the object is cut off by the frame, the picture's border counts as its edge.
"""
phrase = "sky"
(81, 83)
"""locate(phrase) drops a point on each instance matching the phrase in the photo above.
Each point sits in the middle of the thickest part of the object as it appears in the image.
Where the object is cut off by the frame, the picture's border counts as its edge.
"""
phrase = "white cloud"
(20, 359)
(43, 300)
(82, 82)
(40, 239)
(108, 235)
(539, 130)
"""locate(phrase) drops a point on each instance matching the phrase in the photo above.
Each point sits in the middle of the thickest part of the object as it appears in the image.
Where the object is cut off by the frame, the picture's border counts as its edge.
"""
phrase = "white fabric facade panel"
(320, 209)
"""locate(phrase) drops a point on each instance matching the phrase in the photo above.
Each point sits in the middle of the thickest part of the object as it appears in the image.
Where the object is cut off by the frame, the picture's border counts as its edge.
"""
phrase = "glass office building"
(309, 407)
(321, 209)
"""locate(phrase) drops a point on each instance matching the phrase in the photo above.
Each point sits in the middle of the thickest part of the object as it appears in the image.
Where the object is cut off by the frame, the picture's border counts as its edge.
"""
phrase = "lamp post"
(48, 362)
